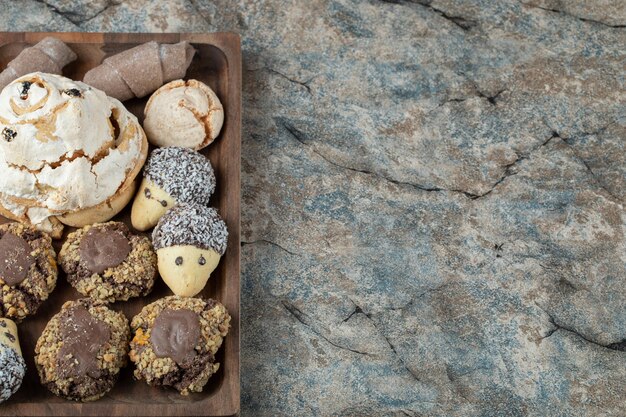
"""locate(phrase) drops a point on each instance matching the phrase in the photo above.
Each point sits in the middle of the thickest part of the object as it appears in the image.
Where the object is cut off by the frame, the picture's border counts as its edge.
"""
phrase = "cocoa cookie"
(28, 270)
(190, 240)
(106, 262)
(81, 350)
(175, 341)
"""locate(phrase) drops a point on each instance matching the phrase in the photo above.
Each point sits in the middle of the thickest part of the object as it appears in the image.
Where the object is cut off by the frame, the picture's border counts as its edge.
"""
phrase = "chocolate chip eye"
(73, 92)
(164, 203)
(8, 134)
(3, 324)
(179, 260)
(202, 261)
(25, 87)
(10, 336)
(147, 193)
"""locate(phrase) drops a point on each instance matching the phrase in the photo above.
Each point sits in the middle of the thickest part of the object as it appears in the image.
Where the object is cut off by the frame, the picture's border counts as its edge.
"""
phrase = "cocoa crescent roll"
(139, 71)
(49, 55)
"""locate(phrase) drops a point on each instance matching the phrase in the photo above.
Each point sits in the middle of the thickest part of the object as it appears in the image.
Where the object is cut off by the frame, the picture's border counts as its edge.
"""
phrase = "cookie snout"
(186, 268)
(151, 202)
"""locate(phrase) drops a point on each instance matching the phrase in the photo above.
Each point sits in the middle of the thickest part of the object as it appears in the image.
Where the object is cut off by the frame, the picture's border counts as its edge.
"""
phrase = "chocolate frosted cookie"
(28, 270)
(175, 341)
(81, 350)
(106, 262)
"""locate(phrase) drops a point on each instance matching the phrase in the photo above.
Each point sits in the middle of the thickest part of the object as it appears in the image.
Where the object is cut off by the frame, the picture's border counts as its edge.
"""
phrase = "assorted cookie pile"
(72, 155)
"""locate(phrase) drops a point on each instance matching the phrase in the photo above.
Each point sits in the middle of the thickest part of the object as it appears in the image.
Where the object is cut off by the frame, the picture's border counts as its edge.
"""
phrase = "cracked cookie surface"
(175, 340)
(132, 274)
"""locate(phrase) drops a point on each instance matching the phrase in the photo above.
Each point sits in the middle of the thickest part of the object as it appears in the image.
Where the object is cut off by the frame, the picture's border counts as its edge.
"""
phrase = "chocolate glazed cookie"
(175, 342)
(108, 263)
(81, 350)
(28, 270)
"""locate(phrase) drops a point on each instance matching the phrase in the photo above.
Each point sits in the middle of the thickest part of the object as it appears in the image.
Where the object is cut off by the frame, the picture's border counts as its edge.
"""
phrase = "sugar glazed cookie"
(175, 341)
(106, 262)
(81, 350)
(171, 176)
(28, 270)
(190, 240)
(12, 364)
(183, 113)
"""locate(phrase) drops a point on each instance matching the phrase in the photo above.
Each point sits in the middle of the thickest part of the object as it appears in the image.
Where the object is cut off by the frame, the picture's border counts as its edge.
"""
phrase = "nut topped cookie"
(81, 350)
(171, 176)
(190, 240)
(28, 270)
(175, 341)
(108, 263)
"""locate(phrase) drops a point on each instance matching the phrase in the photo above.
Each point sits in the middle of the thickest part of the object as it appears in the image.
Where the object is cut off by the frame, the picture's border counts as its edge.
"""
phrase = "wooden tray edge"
(230, 44)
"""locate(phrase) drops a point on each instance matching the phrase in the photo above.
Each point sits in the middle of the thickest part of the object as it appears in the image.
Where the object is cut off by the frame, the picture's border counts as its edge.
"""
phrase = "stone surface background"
(433, 199)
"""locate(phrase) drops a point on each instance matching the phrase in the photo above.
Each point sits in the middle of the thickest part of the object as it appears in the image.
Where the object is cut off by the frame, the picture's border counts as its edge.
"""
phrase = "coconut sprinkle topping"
(191, 224)
(183, 173)
(12, 371)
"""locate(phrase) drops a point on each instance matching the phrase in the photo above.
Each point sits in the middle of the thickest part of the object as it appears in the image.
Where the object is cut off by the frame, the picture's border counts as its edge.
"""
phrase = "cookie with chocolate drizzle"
(82, 349)
(175, 340)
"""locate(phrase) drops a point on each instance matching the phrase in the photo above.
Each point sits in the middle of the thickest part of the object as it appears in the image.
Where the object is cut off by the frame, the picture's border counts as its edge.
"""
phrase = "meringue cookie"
(183, 113)
(65, 147)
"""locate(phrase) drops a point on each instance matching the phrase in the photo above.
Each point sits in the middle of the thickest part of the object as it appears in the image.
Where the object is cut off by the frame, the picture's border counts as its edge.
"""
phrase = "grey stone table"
(433, 199)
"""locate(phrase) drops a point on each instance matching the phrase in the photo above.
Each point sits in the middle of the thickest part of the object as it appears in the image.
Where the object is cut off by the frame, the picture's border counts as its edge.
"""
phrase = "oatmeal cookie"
(175, 341)
(28, 270)
(81, 350)
(108, 263)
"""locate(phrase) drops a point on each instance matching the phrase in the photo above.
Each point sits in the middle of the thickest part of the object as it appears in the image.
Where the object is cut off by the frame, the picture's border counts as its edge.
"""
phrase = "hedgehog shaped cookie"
(12, 364)
(189, 239)
(172, 175)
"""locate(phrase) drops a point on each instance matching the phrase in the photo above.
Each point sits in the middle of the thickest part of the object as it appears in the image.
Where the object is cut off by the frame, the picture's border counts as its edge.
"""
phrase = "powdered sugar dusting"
(12, 371)
(191, 224)
(183, 173)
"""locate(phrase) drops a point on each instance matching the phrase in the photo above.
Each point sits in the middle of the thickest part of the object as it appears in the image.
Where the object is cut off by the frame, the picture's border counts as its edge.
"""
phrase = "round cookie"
(12, 364)
(189, 239)
(171, 176)
(81, 350)
(183, 113)
(175, 341)
(28, 270)
(108, 263)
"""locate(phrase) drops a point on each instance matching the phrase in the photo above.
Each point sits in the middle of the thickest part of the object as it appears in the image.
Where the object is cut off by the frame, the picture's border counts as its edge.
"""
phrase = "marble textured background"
(433, 199)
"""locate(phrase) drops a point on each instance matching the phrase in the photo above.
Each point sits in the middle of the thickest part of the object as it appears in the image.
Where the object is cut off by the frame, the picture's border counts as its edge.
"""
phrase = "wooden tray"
(217, 63)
